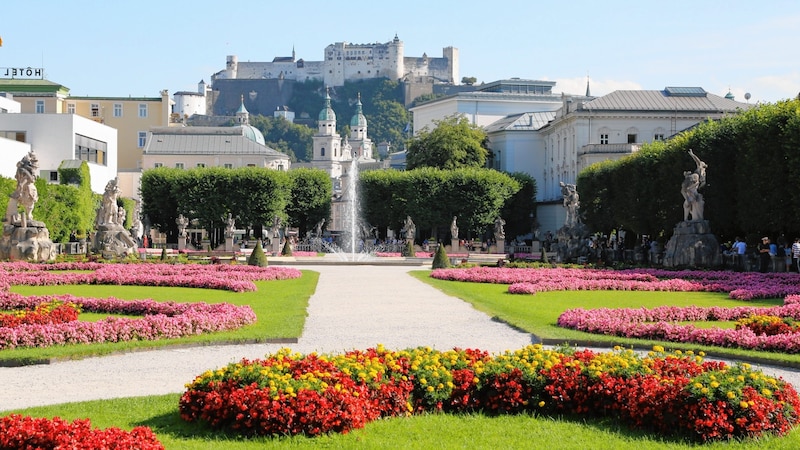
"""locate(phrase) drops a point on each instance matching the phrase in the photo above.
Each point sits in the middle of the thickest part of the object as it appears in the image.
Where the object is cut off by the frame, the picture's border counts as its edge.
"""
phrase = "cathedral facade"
(334, 154)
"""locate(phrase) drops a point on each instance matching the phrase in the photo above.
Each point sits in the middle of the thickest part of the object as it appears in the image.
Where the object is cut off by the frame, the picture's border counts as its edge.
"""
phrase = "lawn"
(537, 314)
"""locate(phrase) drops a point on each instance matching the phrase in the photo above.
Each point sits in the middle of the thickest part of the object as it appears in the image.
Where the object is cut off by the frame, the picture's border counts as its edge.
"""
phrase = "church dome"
(358, 120)
(252, 133)
(327, 112)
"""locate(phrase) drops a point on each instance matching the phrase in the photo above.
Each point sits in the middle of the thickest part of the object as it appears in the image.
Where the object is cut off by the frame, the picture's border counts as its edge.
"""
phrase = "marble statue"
(182, 223)
(276, 227)
(571, 203)
(25, 194)
(499, 232)
(693, 203)
(319, 228)
(411, 229)
(230, 225)
(454, 228)
(108, 212)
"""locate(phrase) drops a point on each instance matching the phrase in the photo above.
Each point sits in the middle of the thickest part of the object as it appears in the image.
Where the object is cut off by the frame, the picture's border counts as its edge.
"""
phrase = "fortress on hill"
(344, 61)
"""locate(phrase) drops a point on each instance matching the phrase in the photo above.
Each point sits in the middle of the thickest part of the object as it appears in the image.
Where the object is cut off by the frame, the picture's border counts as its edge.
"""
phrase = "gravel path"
(354, 307)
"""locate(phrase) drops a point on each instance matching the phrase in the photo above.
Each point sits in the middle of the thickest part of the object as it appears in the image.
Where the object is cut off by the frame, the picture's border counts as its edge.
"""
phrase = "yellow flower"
(541, 404)
(731, 395)
(743, 404)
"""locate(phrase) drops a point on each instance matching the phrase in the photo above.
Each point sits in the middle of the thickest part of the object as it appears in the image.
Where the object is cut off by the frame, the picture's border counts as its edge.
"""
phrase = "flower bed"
(742, 286)
(671, 394)
(43, 313)
(162, 320)
(22, 432)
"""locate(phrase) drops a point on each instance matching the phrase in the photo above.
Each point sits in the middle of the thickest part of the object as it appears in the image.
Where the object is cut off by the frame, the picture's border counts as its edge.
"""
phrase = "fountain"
(355, 230)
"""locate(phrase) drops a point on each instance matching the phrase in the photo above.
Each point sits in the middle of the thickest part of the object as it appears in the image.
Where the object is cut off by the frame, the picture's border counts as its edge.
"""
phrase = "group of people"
(768, 254)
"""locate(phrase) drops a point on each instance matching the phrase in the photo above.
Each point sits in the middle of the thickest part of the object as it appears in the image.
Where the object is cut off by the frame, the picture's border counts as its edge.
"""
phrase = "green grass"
(440, 431)
(280, 306)
(537, 314)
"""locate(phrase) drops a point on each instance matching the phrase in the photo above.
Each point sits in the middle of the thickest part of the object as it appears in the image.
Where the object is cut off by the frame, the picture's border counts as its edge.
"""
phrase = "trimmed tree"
(287, 248)
(257, 257)
(440, 259)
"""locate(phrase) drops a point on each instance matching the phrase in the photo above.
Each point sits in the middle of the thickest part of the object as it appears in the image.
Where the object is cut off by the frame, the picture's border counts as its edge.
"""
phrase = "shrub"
(409, 250)
(257, 257)
(164, 254)
(440, 259)
(287, 248)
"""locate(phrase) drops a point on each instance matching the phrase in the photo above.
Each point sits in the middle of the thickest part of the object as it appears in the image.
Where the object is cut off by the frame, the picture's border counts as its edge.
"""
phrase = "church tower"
(327, 142)
(242, 115)
(360, 143)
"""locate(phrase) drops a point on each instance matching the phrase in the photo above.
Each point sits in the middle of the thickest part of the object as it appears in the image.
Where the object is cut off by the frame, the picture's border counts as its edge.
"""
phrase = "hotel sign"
(22, 72)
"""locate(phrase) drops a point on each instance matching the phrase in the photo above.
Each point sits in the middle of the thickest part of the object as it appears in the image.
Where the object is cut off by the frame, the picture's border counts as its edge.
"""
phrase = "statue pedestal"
(500, 246)
(572, 242)
(181, 243)
(692, 245)
(229, 243)
(454, 247)
(113, 241)
(276, 246)
(30, 243)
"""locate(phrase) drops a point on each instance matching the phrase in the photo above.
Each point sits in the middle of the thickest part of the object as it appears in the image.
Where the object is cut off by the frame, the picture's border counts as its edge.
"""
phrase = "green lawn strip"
(440, 431)
(280, 306)
(538, 314)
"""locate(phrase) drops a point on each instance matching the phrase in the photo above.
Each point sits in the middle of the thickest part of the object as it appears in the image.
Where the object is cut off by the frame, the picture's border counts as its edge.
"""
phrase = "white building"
(56, 138)
(344, 61)
(241, 145)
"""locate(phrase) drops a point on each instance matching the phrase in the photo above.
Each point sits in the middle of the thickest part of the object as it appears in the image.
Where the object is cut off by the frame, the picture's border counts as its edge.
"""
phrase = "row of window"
(632, 138)
(181, 165)
(94, 109)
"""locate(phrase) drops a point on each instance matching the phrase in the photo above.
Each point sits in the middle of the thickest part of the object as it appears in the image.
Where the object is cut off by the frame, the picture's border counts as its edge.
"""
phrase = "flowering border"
(670, 394)
(24, 432)
(162, 320)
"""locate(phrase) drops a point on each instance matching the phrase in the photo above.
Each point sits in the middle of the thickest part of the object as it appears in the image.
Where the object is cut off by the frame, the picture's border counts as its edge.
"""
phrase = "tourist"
(764, 256)
(739, 250)
(796, 254)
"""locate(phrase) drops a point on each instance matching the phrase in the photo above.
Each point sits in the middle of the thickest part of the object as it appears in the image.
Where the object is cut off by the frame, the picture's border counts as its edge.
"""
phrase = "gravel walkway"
(354, 307)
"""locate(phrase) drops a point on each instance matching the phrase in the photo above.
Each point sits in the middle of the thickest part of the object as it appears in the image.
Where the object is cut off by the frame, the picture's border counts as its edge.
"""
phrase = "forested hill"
(382, 104)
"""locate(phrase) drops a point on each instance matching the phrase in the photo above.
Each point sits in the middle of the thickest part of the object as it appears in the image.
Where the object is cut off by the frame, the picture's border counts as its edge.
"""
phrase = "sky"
(139, 48)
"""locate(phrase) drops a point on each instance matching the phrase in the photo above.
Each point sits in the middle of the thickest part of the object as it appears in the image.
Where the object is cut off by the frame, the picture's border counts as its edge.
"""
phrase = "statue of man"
(693, 203)
(182, 223)
(411, 229)
(25, 193)
(230, 225)
(499, 232)
(571, 203)
(454, 228)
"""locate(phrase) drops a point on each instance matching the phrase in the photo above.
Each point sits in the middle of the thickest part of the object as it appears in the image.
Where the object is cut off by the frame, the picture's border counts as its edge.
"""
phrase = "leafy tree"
(452, 144)
(310, 198)
(160, 196)
(520, 208)
(425, 98)
(469, 80)
(287, 137)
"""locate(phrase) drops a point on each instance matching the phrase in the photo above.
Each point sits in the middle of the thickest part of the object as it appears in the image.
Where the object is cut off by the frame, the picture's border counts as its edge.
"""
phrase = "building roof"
(669, 99)
(529, 121)
(31, 86)
(206, 141)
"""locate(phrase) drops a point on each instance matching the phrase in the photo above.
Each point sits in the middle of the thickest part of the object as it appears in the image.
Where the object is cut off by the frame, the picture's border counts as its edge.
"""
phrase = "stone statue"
(276, 227)
(230, 225)
(108, 212)
(693, 203)
(25, 194)
(411, 229)
(571, 203)
(454, 228)
(499, 232)
(182, 223)
(137, 230)
(319, 228)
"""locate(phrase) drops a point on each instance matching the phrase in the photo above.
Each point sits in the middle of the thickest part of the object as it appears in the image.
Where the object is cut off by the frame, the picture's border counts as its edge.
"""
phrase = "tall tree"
(452, 144)
(310, 199)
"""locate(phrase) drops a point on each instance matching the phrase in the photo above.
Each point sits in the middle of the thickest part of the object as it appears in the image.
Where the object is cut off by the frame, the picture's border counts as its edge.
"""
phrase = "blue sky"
(138, 48)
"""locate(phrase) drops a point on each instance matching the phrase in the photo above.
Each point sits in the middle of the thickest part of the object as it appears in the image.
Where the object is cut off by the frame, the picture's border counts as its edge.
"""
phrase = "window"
(39, 106)
(201, 164)
(142, 139)
(658, 137)
(117, 109)
(142, 110)
(322, 151)
(251, 165)
(18, 136)
(94, 110)
(604, 139)
(70, 108)
(90, 150)
(631, 139)
(179, 165)
(158, 164)
(228, 166)
(54, 175)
